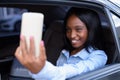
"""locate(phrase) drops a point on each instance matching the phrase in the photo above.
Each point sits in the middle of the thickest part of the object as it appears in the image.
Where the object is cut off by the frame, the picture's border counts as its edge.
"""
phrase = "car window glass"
(116, 21)
(10, 19)
(116, 2)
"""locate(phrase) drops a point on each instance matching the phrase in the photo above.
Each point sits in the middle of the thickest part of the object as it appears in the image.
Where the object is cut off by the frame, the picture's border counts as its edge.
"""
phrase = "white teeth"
(74, 41)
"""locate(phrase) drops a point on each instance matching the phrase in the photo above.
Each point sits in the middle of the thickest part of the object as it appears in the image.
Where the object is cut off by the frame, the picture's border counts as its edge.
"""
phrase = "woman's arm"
(96, 60)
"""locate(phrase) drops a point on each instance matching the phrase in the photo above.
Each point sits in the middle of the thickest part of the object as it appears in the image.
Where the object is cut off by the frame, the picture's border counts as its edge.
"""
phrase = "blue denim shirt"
(69, 66)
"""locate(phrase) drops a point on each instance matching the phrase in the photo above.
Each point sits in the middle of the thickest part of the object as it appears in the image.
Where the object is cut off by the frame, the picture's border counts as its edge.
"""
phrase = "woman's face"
(76, 32)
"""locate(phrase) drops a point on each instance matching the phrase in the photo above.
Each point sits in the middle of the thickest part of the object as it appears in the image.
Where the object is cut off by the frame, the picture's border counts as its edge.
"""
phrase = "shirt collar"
(83, 54)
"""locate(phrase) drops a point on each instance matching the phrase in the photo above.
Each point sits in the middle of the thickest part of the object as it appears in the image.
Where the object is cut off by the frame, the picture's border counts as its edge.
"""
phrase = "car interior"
(54, 40)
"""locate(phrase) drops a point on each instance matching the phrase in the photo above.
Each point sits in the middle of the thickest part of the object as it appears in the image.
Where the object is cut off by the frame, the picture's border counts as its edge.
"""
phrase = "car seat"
(108, 43)
(54, 40)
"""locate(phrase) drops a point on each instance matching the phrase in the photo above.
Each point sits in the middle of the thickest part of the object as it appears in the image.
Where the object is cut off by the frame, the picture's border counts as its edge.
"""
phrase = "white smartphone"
(32, 25)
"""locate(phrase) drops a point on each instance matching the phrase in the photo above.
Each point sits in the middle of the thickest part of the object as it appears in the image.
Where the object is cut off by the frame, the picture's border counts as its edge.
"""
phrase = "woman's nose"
(73, 34)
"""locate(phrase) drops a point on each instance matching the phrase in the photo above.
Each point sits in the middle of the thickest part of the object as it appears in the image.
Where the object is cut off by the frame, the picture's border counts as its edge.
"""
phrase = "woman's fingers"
(18, 55)
(32, 47)
(23, 46)
(42, 50)
(39, 60)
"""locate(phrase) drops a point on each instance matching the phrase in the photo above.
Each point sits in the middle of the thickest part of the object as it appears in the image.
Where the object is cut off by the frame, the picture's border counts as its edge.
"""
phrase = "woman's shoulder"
(96, 51)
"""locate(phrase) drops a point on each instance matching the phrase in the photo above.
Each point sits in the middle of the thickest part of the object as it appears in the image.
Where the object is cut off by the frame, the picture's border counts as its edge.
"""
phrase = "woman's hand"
(27, 57)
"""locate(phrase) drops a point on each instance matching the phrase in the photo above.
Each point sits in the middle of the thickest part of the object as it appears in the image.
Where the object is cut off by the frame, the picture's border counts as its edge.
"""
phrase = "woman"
(81, 54)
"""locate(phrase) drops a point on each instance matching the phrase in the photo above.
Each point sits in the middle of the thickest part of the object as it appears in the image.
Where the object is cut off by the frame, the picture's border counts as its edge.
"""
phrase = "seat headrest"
(57, 26)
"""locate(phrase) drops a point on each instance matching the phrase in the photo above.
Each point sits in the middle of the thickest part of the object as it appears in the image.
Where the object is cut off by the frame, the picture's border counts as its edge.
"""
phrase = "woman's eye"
(79, 29)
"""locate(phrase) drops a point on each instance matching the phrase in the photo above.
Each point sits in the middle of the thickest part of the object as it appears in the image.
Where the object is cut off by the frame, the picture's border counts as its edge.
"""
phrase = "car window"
(10, 19)
(116, 21)
(116, 2)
